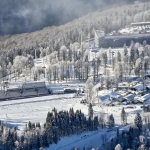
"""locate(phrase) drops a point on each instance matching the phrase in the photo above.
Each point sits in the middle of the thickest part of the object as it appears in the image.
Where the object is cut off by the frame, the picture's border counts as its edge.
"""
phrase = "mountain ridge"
(107, 20)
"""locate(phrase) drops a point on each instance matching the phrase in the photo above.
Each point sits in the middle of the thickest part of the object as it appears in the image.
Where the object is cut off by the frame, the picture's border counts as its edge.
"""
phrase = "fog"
(18, 16)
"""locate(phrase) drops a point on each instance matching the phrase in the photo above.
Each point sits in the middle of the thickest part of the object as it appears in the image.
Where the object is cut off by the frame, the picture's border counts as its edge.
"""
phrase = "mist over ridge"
(20, 16)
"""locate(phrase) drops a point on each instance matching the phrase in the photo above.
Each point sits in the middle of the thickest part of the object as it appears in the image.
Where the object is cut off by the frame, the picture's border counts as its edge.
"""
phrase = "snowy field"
(20, 112)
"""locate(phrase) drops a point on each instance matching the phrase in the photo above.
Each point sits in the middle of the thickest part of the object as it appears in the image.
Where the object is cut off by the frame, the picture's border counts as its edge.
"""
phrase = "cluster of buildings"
(133, 95)
(24, 90)
(36, 89)
(138, 32)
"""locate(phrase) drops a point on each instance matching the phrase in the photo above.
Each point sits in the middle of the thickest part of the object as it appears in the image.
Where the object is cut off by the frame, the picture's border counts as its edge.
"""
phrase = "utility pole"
(35, 54)
(88, 40)
(81, 27)
(143, 75)
(46, 54)
(81, 35)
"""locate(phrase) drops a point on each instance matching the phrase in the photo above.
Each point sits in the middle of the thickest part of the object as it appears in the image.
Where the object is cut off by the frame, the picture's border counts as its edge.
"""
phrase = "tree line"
(135, 137)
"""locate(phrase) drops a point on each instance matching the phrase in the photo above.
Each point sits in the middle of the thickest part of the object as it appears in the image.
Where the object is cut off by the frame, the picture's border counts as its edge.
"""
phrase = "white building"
(55, 89)
(99, 38)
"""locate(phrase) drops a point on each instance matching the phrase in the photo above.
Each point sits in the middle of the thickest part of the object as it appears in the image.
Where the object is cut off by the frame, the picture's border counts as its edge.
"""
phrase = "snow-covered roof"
(140, 23)
(105, 99)
(130, 97)
(106, 102)
(35, 84)
(139, 87)
(144, 98)
(136, 28)
(114, 94)
(147, 96)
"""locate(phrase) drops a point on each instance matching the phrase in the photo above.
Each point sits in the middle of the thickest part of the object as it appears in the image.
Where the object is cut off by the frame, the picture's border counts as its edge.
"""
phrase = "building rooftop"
(140, 23)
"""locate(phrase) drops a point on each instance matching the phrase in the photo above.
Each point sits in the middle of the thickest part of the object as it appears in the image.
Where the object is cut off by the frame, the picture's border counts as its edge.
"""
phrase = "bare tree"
(90, 93)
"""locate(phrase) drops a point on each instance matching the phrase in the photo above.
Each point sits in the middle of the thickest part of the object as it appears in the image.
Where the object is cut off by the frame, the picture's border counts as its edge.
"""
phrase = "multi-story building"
(99, 38)
(137, 32)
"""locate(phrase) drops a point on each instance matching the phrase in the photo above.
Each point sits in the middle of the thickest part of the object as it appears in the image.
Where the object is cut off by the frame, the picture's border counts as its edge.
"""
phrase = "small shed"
(69, 90)
(56, 90)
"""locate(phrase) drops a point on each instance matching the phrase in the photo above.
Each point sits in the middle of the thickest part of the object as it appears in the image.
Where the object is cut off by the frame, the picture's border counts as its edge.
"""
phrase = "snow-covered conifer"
(123, 116)
(90, 111)
(118, 147)
(138, 121)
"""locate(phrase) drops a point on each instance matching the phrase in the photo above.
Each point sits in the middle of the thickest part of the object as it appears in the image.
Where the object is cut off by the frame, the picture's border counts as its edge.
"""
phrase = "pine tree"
(101, 120)
(118, 147)
(111, 121)
(123, 116)
(138, 121)
(132, 53)
(95, 123)
(48, 120)
(119, 56)
(90, 111)
(29, 125)
(117, 135)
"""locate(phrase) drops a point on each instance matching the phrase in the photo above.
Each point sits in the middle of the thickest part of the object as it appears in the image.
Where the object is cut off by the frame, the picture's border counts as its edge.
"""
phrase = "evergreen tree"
(123, 116)
(95, 123)
(118, 147)
(29, 125)
(101, 120)
(138, 121)
(117, 135)
(90, 111)
(119, 56)
(111, 121)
